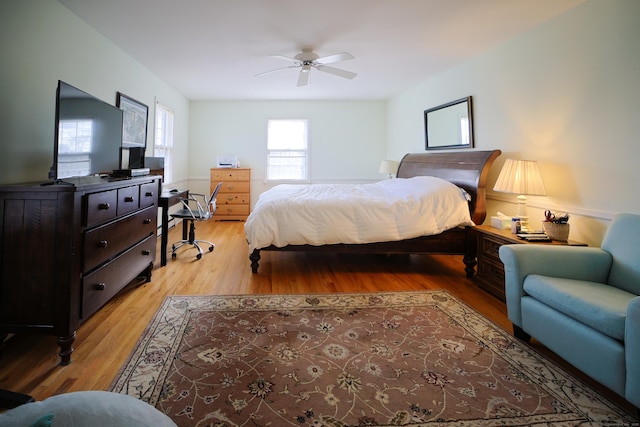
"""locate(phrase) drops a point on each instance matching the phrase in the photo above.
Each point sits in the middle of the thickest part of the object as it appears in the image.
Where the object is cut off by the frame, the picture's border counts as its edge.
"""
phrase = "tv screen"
(88, 134)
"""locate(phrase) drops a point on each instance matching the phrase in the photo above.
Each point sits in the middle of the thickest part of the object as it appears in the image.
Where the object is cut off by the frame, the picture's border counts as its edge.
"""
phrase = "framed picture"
(135, 116)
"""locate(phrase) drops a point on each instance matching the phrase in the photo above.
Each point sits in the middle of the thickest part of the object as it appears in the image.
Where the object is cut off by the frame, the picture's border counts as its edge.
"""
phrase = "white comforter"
(389, 210)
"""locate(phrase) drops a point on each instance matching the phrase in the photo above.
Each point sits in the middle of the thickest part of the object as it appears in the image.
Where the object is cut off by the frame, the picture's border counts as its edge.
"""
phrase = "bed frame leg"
(255, 258)
(470, 263)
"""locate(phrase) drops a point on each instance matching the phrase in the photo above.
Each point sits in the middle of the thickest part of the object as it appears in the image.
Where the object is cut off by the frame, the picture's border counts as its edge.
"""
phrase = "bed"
(467, 170)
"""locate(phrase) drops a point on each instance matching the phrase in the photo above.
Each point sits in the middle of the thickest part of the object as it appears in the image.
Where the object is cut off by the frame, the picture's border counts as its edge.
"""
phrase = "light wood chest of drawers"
(234, 198)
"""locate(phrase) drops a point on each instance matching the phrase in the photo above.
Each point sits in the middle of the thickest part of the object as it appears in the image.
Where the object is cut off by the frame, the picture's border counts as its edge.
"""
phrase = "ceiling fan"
(307, 60)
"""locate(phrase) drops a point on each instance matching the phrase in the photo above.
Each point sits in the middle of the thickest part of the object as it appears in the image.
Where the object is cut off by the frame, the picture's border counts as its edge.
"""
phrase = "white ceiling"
(211, 49)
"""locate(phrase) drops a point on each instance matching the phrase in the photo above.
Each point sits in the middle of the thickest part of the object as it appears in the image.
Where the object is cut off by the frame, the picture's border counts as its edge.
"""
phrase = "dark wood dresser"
(68, 248)
(490, 275)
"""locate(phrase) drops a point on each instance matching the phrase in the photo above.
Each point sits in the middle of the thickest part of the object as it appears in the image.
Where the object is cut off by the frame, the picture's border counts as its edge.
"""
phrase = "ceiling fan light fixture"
(308, 59)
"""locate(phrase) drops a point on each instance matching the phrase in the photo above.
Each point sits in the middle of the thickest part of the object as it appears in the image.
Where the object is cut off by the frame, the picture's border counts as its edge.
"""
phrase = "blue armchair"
(582, 303)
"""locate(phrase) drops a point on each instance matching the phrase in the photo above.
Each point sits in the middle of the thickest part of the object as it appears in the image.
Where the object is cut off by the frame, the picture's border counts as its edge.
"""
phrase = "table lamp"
(520, 177)
(390, 167)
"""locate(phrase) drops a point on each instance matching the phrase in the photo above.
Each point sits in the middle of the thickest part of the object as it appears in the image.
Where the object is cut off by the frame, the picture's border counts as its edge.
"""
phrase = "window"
(163, 146)
(288, 150)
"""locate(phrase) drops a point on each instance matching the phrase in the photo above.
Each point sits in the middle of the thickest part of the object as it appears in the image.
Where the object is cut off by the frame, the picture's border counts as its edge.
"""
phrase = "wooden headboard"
(466, 169)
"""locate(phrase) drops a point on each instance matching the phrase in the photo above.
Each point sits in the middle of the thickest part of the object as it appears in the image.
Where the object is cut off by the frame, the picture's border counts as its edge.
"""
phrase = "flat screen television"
(88, 135)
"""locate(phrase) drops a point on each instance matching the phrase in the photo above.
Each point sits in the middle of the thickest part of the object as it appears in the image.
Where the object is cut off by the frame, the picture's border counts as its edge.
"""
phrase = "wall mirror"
(449, 125)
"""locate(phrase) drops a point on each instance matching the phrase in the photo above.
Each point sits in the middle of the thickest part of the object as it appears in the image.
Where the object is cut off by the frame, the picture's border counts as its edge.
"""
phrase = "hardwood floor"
(29, 363)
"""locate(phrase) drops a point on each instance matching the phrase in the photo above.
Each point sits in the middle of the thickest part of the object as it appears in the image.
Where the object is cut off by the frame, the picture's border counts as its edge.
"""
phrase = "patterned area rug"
(379, 359)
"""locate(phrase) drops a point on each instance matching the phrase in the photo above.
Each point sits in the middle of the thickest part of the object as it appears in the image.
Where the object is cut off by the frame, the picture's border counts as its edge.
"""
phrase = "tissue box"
(502, 224)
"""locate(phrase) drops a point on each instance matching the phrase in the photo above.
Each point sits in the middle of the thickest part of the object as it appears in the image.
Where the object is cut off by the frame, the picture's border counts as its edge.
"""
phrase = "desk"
(166, 199)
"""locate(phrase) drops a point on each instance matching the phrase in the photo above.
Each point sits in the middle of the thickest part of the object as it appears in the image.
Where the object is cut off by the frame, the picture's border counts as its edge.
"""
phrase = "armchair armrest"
(571, 262)
(632, 350)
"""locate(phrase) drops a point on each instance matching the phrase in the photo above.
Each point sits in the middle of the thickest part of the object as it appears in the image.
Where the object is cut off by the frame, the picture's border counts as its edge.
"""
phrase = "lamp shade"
(388, 167)
(520, 177)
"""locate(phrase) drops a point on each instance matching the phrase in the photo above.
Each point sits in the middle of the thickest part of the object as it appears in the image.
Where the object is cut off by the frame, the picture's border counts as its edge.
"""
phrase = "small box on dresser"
(234, 198)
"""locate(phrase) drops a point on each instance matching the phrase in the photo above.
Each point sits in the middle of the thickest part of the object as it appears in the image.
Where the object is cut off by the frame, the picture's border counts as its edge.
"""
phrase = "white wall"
(42, 42)
(566, 94)
(347, 139)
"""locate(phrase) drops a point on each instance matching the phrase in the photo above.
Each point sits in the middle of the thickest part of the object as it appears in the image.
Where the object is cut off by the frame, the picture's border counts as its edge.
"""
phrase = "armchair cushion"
(600, 306)
(87, 408)
(571, 262)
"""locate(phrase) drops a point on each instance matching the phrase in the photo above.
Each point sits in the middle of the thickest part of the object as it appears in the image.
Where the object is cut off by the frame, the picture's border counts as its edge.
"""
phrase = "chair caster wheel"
(210, 248)
(173, 255)
(198, 256)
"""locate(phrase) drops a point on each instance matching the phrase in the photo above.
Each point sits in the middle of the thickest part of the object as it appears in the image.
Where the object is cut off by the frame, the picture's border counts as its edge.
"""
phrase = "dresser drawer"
(101, 285)
(230, 174)
(149, 194)
(106, 241)
(233, 199)
(232, 210)
(100, 207)
(235, 187)
(128, 199)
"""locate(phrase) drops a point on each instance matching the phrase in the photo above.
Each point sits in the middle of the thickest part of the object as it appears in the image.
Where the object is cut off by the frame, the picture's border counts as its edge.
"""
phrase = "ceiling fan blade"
(286, 58)
(342, 56)
(303, 77)
(273, 71)
(336, 71)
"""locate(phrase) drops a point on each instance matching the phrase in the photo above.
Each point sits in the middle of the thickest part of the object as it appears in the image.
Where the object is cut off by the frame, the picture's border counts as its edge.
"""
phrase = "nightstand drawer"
(492, 271)
(489, 248)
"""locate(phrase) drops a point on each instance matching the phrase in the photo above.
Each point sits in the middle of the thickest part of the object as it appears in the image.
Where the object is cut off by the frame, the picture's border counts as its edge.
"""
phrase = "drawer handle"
(104, 206)
(146, 252)
(147, 221)
(100, 286)
(230, 198)
(229, 187)
(129, 199)
(149, 194)
(103, 244)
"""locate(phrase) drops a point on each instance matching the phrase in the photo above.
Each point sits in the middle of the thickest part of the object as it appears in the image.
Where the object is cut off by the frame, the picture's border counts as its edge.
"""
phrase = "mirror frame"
(430, 115)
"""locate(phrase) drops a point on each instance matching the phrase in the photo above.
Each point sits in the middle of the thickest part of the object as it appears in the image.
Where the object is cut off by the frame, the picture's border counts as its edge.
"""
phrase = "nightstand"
(490, 274)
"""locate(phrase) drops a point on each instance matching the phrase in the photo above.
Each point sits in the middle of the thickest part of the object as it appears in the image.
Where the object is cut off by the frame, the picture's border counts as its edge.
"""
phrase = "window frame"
(167, 147)
(306, 151)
